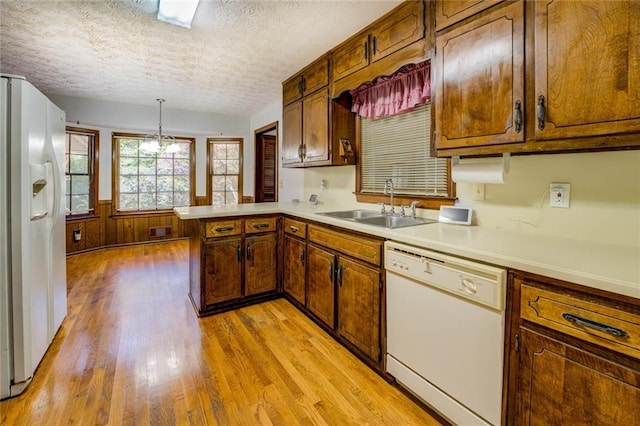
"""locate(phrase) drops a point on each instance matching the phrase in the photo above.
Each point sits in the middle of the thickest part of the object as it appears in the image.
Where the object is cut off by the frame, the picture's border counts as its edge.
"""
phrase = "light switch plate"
(559, 195)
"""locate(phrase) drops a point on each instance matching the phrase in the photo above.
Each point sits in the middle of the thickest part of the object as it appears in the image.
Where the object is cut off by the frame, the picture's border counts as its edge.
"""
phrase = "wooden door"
(320, 284)
(294, 268)
(223, 266)
(480, 81)
(400, 29)
(266, 168)
(291, 133)
(350, 57)
(561, 385)
(359, 306)
(260, 264)
(587, 68)
(449, 12)
(315, 127)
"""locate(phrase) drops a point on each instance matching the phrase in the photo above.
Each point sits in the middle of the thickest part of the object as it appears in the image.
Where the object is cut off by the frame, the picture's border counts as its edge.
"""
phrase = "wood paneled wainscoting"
(106, 229)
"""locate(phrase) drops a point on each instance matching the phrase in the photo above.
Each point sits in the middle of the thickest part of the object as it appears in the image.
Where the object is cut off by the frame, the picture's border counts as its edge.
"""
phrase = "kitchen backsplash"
(604, 196)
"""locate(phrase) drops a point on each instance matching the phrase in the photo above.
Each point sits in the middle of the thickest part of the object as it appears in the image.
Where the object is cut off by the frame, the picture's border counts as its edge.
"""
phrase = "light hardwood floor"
(132, 351)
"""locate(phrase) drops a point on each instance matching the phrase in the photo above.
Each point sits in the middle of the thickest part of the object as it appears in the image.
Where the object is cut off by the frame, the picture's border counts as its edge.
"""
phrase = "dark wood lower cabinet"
(320, 284)
(260, 264)
(223, 266)
(359, 290)
(294, 268)
(561, 385)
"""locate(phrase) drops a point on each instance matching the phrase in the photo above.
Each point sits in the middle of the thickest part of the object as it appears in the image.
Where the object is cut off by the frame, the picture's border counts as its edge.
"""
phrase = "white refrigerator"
(33, 279)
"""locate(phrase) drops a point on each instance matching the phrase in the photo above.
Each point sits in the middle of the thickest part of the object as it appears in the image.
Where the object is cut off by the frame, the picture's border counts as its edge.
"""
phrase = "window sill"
(432, 203)
(148, 213)
(77, 217)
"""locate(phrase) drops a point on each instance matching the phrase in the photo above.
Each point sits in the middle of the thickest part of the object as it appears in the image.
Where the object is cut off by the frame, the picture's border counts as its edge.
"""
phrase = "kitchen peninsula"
(567, 301)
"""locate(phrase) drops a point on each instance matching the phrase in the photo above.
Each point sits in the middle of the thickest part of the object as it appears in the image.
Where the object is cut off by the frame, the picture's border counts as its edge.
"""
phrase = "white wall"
(290, 181)
(605, 195)
(109, 117)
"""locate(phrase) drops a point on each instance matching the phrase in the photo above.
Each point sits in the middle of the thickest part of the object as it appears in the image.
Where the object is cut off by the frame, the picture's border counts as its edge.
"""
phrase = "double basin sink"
(383, 220)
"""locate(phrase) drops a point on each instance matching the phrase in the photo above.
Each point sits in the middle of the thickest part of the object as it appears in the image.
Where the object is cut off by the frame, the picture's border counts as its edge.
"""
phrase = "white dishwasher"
(445, 328)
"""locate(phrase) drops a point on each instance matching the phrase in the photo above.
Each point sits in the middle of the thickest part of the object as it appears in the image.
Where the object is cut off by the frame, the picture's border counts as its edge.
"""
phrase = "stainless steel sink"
(394, 221)
(369, 217)
(352, 214)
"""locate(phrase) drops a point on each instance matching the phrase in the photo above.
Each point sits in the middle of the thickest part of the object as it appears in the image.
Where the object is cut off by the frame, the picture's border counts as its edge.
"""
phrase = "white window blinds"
(398, 147)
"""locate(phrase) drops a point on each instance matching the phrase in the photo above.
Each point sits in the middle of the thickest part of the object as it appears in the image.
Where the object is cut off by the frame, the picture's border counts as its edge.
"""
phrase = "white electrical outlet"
(559, 195)
(478, 191)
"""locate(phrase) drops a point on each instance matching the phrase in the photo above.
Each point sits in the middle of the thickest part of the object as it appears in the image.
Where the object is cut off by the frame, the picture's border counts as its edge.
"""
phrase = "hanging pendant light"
(158, 141)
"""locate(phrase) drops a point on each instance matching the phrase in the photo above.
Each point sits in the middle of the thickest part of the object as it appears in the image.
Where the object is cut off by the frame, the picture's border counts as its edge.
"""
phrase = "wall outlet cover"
(559, 195)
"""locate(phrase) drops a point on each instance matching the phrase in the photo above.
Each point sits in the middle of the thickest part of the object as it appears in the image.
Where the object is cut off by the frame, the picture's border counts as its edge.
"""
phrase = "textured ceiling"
(232, 60)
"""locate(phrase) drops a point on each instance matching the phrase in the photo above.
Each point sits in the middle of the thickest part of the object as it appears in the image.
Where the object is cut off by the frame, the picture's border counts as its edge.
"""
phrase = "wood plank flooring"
(132, 351)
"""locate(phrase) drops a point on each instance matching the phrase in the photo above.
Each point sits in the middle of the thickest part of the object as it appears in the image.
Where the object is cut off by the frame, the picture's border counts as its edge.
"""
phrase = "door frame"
(270, 128)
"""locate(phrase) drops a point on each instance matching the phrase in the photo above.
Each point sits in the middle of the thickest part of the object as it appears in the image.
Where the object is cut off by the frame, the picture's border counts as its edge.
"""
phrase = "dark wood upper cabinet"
(587, 68)
(538, 77)
(312, 78)
(396, 30)
(449, 12)
(480, 81)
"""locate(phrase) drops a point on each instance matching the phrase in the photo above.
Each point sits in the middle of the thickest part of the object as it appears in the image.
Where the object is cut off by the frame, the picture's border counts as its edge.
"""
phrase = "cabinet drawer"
(295, 227)
(595, 323)
(223, 228)
(355, 246)
(259, 224)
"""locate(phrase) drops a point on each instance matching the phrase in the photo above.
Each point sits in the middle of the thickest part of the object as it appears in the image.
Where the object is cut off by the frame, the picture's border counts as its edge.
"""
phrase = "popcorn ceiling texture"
(232, 60)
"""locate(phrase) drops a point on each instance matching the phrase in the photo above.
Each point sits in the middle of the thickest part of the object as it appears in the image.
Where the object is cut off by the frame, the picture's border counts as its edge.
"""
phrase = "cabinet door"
(350, 57)
(316, 76)
(403, 27)
(292, 133)
(223, 266)
(359, 306)
(292, 89)
(449, 12)
(561, 384)
(294, 268)
(587, 68)
(320, 284)
(315, 127)
(480, 81)
(260, 264)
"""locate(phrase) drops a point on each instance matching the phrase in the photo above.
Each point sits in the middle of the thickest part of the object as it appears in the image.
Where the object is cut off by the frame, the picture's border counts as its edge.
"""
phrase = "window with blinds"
(398, 147)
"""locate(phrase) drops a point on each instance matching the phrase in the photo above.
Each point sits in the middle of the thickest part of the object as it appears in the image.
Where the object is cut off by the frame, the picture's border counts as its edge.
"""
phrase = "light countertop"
(613, 268)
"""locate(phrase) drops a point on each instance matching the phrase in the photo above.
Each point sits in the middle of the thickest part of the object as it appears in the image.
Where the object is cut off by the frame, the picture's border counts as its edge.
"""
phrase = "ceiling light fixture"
(154, 143)
(177, 12)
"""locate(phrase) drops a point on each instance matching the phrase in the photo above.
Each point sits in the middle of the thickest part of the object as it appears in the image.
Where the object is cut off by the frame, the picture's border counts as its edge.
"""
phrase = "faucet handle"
(402, 212)
(382, 209)
(413, 205)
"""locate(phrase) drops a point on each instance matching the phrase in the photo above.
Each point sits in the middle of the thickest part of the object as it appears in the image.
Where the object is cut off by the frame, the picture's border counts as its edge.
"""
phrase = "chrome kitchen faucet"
(389, 184)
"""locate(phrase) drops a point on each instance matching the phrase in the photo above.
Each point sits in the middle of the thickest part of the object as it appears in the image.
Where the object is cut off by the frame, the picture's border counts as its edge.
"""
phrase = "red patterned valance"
(391, 95)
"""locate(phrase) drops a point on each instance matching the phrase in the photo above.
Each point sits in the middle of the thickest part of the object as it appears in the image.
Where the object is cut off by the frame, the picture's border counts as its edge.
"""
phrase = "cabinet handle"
(331, 271)
(300, 86)
(261, 225)
(304, 84)
(224, 229)
(304, 151)
(595, 325)
(541, 112)
(518, 115)
(300, 151)
(249, 251)
(294, 229)
(373, 47)
(303, 257)
(339, 273)
(365, 50)
(238, 253)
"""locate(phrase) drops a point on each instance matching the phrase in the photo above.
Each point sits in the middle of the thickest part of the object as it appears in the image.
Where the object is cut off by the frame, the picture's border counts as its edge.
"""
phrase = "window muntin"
(225, 171)
(147, 181)
(398, 147)
(80, 171)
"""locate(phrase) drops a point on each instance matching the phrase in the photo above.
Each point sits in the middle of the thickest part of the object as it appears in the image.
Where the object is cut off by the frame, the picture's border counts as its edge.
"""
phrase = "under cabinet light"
(177, 12)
